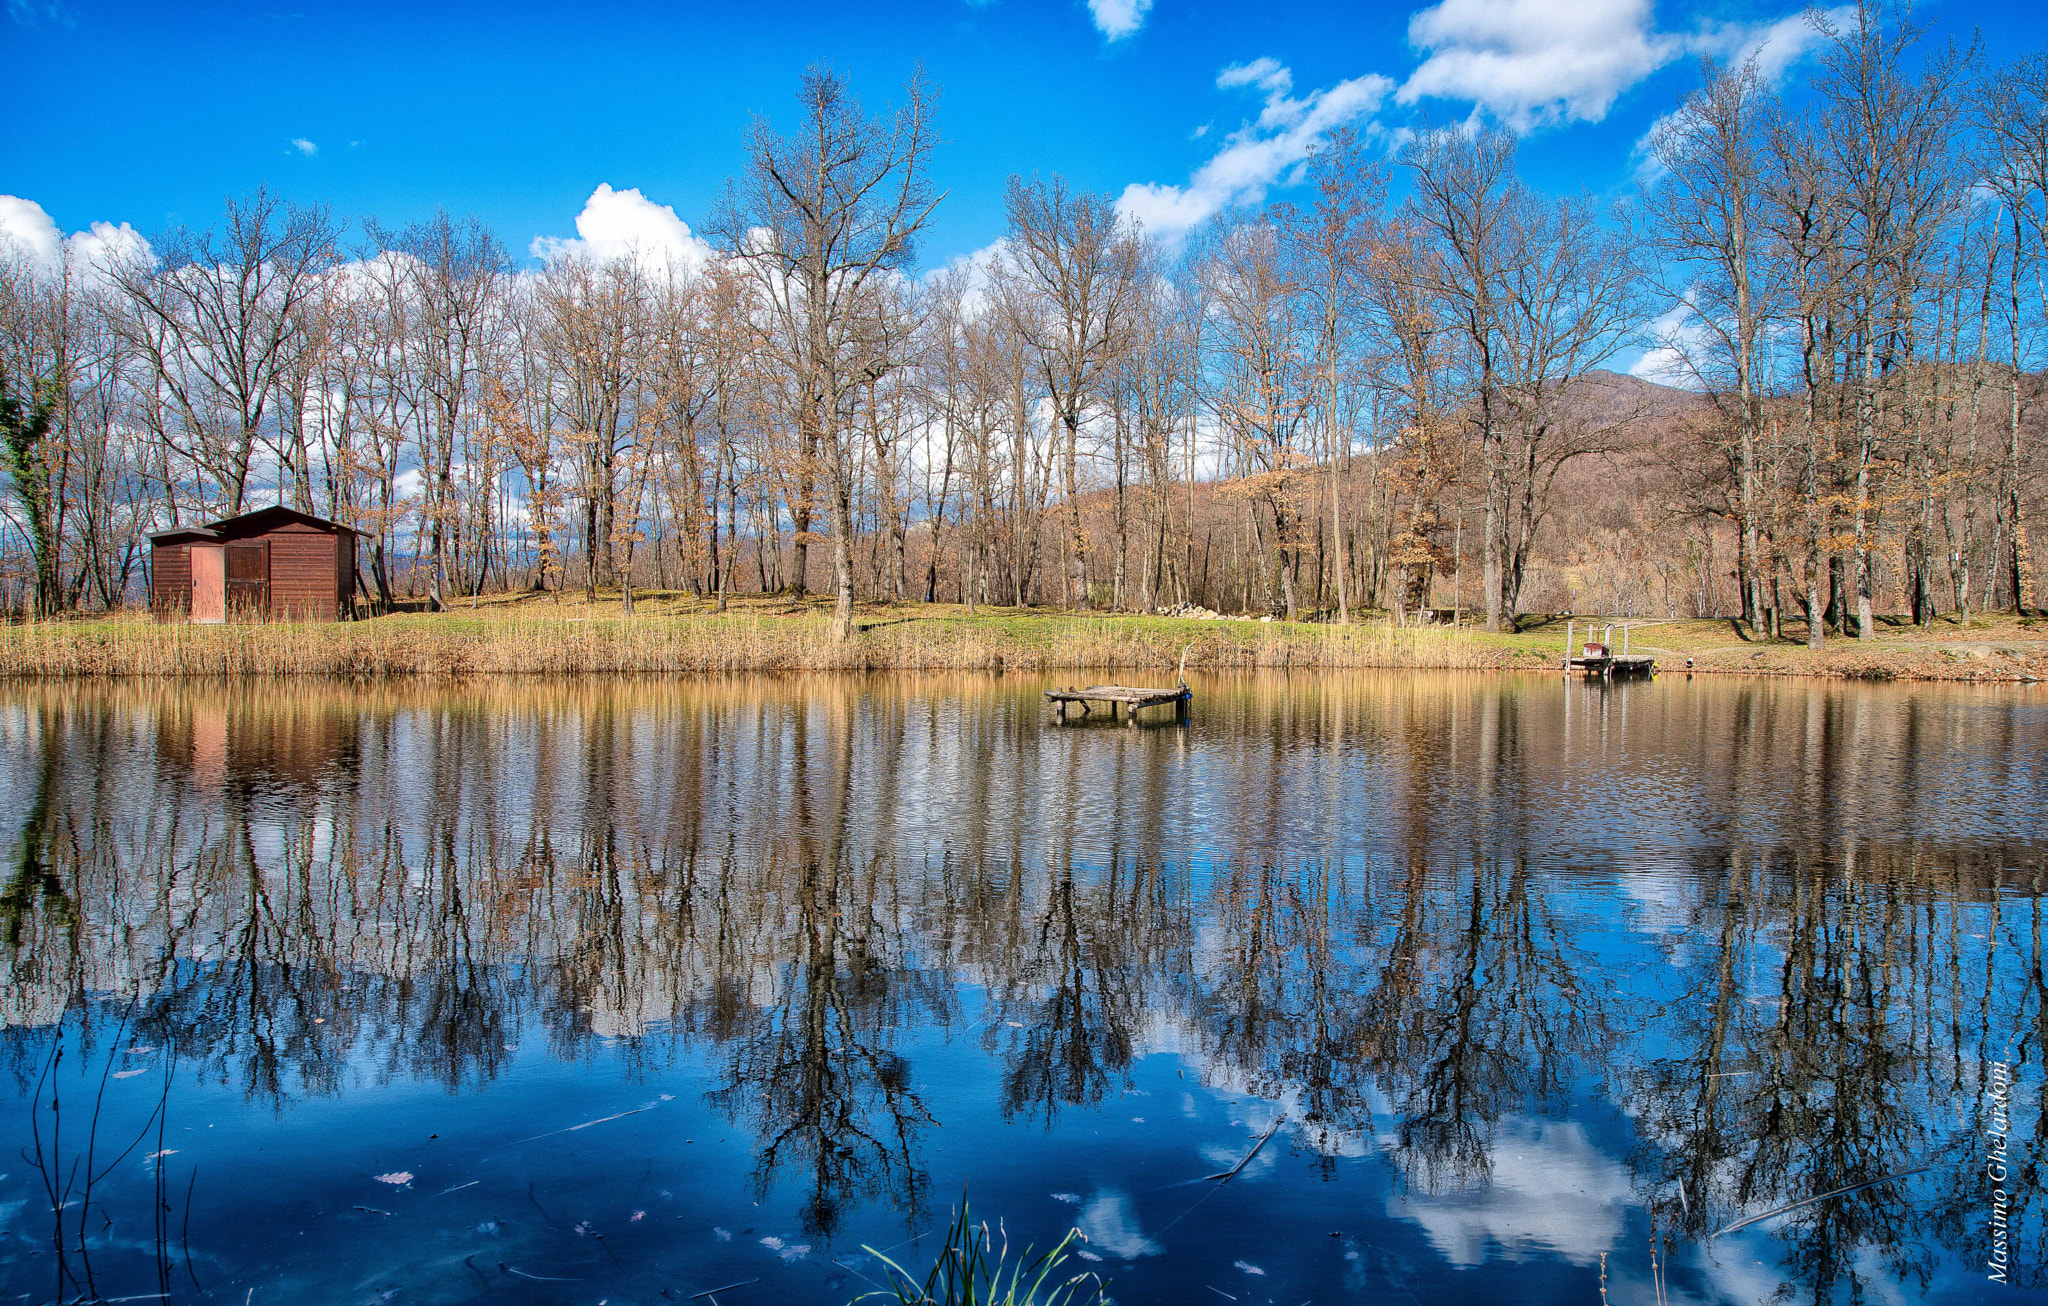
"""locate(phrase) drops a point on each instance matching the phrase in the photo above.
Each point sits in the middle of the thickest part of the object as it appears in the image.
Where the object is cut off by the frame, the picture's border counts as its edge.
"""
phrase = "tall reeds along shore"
(534, 641)
(675, 635)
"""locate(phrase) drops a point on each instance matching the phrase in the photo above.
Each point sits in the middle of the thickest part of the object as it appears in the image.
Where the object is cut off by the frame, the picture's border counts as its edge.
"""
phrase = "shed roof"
(250, 523)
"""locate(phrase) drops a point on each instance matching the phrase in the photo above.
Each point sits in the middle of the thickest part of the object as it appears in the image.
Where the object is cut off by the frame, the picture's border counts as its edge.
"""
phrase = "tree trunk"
(1077, 540)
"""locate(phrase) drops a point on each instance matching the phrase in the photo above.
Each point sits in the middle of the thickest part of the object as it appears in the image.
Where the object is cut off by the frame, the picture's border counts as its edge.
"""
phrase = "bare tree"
(1544, 293)
(1887, 142)
(1262, 388)
(1464, 188)
(1331, 243)
(2011, 111)
(1708, 223)
(1417, 369)
(456, 273)
(820, 216)
(594, 335)
(1076, 267)
(217, 319)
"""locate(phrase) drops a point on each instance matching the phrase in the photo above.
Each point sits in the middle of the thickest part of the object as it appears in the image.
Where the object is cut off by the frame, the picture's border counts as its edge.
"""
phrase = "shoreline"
(675, 637)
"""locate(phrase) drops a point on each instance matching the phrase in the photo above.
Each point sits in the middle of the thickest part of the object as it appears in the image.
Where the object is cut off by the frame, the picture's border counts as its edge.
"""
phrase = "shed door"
(209, 601)
(248, 568)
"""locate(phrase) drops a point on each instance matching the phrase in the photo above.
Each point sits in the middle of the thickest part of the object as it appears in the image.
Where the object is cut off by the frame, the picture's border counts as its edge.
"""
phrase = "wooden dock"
(1609, 666)
(1131, 698)
(1600, 660)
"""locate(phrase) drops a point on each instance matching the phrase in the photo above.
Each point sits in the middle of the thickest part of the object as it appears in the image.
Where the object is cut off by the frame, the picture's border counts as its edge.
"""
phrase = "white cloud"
(1264, 72)
(1678, 340)
(1664, 360)
(1776, 47)
(304, 146)
(1534, 62)
(102, 244)
(1116, 19)
(626, 224)
(1109, 1222)
(975, 272)
(1649, 169)
(1552, 1191)
(32, 232)
(1257, 155)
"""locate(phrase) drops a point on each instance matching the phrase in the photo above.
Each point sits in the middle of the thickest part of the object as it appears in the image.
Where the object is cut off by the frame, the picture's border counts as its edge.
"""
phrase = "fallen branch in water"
(601, 1120)
(537, 1278)
(1833, 1192)
(1225, 1176)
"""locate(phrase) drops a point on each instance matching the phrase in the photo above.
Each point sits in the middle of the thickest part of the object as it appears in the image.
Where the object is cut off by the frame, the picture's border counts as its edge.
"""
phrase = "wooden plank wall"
(312, 574)
(302, 569)
(170, 581)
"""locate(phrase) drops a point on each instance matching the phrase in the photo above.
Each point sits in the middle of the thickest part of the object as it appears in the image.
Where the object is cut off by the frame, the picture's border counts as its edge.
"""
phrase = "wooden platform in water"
(1608, 666)
(1598, 658)
(1131, 698)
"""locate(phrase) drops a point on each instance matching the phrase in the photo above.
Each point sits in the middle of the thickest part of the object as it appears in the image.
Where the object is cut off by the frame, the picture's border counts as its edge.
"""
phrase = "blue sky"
(152, 114)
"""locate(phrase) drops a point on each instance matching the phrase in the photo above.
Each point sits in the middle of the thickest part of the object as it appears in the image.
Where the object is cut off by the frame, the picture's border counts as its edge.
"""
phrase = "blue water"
(631, 991)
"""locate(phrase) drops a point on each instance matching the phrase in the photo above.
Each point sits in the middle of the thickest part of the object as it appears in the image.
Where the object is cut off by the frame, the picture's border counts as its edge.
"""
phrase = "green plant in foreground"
(973, 1270)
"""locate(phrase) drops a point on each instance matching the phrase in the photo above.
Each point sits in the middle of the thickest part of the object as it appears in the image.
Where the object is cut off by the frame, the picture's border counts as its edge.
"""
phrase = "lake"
(1375, 987)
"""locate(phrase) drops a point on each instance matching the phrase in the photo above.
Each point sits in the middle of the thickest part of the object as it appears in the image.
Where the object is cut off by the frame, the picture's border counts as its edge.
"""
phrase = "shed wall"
(170, 580)
(302, 570)
(309, 568)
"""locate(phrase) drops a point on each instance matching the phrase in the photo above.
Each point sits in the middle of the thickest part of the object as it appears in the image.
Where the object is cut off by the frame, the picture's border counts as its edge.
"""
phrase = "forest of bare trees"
(1392, 391)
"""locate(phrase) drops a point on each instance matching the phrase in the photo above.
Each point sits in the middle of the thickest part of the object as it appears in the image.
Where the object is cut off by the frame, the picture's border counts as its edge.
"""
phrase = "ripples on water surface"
(533, 992)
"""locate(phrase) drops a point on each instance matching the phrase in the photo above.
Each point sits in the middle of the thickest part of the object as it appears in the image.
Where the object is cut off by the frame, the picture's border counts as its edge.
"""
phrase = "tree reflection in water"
(1415, 916)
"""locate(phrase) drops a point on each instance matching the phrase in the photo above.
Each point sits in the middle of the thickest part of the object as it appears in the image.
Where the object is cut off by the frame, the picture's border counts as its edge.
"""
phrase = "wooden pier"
(1599, 660)
(1132, 699)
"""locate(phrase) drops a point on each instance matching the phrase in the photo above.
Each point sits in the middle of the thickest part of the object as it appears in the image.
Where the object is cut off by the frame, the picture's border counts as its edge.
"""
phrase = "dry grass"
(545, 641)
(674, 634)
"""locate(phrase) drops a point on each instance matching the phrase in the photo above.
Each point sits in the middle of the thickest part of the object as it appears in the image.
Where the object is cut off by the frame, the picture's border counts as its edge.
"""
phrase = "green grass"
(973, 1268)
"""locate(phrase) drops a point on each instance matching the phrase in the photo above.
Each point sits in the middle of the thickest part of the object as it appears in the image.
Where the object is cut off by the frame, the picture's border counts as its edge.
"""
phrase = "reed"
(974, 1269)
(538, 642)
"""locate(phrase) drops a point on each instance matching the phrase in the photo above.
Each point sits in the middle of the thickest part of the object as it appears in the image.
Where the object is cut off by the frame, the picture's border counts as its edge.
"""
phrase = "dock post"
(1180, 709)
(1569, 626)
(1624, 641)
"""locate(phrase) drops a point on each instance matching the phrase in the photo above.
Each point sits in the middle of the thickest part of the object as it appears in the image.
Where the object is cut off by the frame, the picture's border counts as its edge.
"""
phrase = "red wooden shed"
(274, 562)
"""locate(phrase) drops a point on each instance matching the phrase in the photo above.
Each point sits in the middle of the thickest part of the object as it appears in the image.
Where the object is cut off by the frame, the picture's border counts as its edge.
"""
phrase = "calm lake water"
(623, 992)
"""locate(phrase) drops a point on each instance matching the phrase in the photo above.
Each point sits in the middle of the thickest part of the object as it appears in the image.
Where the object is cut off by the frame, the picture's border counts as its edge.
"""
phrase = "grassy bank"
(1983, 648)
(670, 634)
(545, 639)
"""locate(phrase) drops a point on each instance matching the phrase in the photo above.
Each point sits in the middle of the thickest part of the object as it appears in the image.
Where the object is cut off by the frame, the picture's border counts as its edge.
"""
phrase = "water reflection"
(1532, 972)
